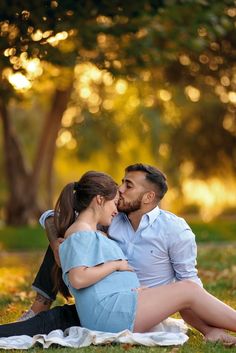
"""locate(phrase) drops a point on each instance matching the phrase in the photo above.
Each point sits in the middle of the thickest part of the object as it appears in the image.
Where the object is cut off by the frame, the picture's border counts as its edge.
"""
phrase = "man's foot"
(40, 304)
(27, 315)
(219, 335)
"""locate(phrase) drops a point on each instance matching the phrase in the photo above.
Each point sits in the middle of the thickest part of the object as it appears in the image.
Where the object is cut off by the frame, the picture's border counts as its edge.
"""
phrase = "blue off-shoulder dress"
(110, 304)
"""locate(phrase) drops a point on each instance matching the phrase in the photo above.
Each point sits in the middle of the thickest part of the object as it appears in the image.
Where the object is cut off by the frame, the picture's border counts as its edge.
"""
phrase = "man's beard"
(128, 207)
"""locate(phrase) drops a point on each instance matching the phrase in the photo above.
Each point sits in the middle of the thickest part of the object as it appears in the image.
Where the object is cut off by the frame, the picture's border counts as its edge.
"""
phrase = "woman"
(105, 288)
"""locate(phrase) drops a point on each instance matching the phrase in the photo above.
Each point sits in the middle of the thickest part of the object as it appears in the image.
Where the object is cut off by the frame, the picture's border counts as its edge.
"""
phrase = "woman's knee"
(190, 290)
(190, 285)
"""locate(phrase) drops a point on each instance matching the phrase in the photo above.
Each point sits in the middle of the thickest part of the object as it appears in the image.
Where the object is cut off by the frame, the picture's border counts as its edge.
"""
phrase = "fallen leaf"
(127, 346)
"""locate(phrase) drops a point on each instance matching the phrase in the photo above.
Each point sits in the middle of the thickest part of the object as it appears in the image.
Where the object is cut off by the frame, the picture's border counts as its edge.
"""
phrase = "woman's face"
(109, 210)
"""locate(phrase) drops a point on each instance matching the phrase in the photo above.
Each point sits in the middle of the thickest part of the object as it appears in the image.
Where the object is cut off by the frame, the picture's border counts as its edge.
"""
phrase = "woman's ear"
(100, 200)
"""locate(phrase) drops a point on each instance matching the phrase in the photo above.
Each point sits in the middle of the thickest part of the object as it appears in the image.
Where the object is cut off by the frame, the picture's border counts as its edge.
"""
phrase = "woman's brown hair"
(74, 198)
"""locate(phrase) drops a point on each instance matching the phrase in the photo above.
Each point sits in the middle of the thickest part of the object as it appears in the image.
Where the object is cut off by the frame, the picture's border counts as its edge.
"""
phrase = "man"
(159, 246)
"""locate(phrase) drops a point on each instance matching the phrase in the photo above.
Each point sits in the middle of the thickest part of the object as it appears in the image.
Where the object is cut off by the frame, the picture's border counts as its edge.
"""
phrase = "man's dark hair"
(153, 175)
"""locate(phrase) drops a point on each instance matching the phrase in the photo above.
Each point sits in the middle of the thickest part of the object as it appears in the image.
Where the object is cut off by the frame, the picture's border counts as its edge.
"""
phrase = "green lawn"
(33, 238)
(216, 264)
(215, 231)
(22, 238)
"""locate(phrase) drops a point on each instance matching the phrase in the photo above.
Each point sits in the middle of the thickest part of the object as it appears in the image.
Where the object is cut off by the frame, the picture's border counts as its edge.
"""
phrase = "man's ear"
(149, 197)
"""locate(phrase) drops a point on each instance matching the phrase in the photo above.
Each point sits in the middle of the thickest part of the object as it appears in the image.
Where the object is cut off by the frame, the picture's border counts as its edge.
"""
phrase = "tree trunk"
(17, 175)
(22, 206)
(46, 146)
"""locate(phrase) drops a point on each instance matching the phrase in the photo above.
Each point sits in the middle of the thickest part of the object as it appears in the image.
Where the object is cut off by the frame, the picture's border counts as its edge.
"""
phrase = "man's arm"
(183, 256)
(47, 222)
(51, 230)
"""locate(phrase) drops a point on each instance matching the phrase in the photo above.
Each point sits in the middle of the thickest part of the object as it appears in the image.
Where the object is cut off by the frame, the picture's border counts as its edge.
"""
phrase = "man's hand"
(55, 248)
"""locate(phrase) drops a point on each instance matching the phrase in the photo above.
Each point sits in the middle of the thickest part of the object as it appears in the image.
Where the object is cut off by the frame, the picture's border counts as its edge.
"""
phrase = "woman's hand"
(139, 289)
(123, 265)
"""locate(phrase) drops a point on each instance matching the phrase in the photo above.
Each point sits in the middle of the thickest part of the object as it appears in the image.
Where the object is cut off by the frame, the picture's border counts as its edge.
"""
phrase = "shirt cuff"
(44, 216)
(193, 279)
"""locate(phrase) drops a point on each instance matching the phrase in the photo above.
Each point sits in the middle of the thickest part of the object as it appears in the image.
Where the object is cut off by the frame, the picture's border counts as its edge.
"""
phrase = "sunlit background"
(177, 113)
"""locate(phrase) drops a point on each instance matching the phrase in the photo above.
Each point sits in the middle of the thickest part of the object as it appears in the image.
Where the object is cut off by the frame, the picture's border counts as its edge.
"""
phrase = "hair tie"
(76, 186)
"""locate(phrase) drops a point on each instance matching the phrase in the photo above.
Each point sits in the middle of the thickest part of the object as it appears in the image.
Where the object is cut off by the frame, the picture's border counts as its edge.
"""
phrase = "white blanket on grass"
(168, 333)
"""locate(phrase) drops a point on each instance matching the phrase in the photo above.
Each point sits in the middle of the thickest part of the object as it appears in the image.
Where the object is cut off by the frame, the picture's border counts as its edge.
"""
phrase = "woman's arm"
(82, 277)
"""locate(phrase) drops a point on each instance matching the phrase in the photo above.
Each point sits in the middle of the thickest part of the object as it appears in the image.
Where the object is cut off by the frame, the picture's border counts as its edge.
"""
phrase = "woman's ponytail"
(64, 216)
(64, 209)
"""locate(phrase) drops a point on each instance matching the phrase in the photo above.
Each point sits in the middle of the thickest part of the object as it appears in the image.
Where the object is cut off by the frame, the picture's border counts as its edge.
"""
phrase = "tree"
(119, 37)
(27, 31)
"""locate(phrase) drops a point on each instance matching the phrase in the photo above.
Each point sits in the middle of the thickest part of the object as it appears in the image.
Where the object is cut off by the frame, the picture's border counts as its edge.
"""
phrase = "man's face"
(133, 187)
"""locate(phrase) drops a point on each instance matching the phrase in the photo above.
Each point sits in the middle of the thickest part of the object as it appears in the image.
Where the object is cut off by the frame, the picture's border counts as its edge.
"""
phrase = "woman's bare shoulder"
(78, 227)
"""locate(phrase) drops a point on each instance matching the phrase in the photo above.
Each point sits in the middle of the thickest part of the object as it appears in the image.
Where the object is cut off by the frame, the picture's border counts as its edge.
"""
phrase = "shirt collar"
(153, 214)
(149, 216)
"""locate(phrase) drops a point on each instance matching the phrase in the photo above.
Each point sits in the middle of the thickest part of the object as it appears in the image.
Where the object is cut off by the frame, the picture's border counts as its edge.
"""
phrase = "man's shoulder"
(173, 223)
(175, 229)
(171, 217)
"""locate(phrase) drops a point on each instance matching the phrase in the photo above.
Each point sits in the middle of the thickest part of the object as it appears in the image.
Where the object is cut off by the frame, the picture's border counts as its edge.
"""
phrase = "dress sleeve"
(86, 249)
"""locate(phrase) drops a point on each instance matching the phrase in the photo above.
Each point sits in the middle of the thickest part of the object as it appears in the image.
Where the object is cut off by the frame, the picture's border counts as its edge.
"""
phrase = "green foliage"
(206, 131)
(83, 20)
(104, 32)
(186, 48)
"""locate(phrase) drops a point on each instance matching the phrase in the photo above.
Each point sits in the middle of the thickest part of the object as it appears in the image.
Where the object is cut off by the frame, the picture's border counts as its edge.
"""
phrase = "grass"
(22, 238)
(215, 231)
(216, 263)
(33, 238)
(216, 268)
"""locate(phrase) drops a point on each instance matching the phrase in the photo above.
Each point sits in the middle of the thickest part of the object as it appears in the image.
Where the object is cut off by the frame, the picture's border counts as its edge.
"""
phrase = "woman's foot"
(220, 335)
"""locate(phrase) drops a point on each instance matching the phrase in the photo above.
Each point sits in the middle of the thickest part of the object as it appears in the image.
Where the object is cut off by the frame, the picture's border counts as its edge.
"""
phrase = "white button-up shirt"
(162, 250)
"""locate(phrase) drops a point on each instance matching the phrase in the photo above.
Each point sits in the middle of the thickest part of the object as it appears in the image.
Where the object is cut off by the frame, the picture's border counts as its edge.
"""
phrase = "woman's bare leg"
(210, 333)
(156, 304)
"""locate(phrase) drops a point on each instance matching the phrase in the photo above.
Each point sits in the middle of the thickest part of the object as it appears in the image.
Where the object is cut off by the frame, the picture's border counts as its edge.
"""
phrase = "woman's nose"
(121, 188)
